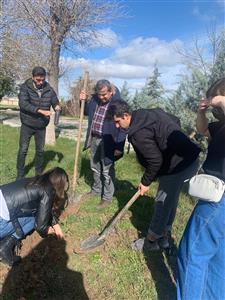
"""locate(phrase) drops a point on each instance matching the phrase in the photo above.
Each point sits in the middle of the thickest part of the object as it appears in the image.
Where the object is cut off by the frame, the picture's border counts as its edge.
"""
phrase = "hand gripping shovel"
(97, 240)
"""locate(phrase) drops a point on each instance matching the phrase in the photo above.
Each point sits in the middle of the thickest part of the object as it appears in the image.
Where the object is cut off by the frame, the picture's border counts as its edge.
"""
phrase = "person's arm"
(202, 121)
(84, 97)
(43, 216)
(143, 189)
(55, 101)
(152, 155)
(43, 112)
(119, 144)
(26, 105)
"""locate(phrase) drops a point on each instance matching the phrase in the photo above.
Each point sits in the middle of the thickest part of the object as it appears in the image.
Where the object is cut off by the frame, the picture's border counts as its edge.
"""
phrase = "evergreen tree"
(177, 106)
(6, 85)
(125, 95)
(193, 87)
(136, 101)
(153, 90)
(150, 96)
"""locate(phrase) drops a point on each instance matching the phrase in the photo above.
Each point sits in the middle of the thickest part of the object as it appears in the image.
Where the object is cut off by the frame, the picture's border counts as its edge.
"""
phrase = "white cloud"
(136, 60)
(148, 51)
(134, 63)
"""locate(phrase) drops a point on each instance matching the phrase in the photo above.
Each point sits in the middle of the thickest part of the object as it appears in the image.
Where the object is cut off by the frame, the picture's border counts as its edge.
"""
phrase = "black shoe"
(7, 251)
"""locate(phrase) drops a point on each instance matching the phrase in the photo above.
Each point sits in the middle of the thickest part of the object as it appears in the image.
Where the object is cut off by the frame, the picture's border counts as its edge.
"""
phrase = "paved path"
(67, 128)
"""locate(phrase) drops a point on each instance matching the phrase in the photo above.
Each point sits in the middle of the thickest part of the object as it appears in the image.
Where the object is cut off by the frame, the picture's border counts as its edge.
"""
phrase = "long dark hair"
(58, 179)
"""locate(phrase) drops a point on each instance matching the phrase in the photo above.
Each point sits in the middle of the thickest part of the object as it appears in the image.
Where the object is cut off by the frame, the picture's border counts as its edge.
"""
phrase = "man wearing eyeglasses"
(106, 142)
(36, 97)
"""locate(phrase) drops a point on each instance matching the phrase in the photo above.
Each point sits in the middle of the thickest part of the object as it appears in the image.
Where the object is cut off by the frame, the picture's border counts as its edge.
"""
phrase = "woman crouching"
(30, 204)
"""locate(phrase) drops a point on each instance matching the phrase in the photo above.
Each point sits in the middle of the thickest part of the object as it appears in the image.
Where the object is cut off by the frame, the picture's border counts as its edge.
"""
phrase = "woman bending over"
(30, 204)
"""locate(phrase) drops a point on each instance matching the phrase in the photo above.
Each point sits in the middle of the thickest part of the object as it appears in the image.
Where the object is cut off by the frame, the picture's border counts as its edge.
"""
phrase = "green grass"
(113, 271)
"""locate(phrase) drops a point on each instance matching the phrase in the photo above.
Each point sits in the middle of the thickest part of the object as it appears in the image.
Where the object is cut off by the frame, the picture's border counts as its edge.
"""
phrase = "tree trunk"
(53, 79)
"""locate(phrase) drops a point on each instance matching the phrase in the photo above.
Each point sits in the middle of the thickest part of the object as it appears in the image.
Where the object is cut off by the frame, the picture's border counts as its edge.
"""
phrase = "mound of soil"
(43, 272)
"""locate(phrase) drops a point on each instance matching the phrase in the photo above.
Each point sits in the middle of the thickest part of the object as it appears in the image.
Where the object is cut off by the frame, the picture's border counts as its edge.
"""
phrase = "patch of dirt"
(43, 272)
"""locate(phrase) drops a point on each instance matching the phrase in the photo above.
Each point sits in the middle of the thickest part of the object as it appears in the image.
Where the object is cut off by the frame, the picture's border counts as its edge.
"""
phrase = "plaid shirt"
(98, 119)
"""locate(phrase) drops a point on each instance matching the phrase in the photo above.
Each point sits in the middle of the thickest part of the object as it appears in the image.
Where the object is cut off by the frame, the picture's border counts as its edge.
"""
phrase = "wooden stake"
(75, 173)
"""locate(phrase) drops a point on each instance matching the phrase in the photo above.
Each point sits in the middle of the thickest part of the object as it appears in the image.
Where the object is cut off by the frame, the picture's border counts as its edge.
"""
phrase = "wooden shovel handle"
(107, 230)
(86, 76)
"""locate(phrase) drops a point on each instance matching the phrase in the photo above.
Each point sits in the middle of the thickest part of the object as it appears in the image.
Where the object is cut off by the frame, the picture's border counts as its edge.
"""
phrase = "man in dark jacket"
(167, 154)
(104, 139)
(36, 97)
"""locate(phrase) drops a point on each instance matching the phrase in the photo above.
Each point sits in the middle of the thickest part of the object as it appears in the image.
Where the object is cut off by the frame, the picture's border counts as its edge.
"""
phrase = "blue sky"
(150, 34)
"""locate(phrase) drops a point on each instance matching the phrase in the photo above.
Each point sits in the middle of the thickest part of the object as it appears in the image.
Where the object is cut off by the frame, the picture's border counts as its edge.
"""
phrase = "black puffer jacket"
(161, 147)
(30, 102)
(24, 200)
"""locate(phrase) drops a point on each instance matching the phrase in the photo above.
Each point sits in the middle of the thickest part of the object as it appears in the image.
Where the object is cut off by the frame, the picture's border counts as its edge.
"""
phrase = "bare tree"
(20, 53)
(203, 54)
(64, 23)
(73, 106)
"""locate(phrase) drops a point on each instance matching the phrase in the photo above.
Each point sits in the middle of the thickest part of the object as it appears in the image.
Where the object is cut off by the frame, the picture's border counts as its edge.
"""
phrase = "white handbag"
(206, 187)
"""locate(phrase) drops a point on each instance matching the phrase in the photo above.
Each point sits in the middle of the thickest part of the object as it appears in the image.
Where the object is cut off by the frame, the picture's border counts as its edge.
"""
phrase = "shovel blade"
(91, 242)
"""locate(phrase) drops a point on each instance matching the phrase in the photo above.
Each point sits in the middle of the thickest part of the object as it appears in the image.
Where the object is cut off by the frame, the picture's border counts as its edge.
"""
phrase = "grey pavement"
(67, 128)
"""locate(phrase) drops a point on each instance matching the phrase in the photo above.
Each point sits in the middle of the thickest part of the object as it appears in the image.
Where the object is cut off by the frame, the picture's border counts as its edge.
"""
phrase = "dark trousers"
(25, 135)
(166, 200)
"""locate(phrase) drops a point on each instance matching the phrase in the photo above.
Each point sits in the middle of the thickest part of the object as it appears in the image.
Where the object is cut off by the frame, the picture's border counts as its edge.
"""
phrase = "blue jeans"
(201, 257)
(7, 228)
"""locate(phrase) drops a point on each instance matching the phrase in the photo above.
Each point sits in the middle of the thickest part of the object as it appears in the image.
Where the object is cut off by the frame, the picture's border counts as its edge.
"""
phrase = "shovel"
(97, 240)
(74, 197)
(75, 173)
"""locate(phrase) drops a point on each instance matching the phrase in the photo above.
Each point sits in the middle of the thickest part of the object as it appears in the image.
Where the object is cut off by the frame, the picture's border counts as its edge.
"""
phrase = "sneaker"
(103, 204)
(144, 244)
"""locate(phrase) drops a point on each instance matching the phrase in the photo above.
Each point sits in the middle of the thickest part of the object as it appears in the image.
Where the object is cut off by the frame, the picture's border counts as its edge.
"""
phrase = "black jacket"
(161, 147)
(30, 102)
(24, 200)
(215, 160)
